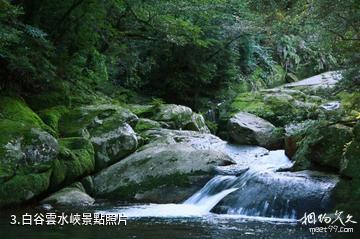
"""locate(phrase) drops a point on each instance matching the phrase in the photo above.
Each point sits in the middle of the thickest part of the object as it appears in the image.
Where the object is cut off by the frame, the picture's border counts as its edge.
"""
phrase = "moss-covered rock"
(15, 109)
(145, 110)
(52, 116)
(197, 123)
(108, 128)
(180, 117)
(347, 192)
(322, 145)
(346, 197)
(350, 164)
(112, 143)
(27, 155)
(22, 188)
(177, 115)
(146, 124)
(80, 121)
(280, 107)
(76, 160)
(171, 115)
(155, 167)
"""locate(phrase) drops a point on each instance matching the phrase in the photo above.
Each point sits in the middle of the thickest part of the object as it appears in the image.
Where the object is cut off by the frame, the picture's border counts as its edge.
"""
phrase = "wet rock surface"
(155, 167)
(245, 128)
(281, 195)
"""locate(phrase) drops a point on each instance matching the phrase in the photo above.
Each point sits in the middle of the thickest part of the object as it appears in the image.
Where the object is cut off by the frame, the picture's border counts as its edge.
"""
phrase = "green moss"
(74, 123)
(77, 155)
(252, 103)
(350, 101)
(18, 142)
(23, 187)
(58, 174)
(350, 165)
(346, 197)
(15, 109)
(146, 124)
(323, 146)
(94, 118)
(76, 159)
(278, 108)
(52, 116)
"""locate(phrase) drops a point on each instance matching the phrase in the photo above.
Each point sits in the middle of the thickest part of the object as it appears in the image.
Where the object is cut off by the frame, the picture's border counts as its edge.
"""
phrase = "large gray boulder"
(112, 145)
(196, 139)
(280, 195)
(180, 117)
(27, 156)
(246, 128)
(107, 126)
(161, 173)
(169, 116)
(74, 195)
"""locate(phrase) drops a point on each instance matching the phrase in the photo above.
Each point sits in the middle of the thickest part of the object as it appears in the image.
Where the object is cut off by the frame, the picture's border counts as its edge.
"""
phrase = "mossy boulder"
(346, 197)
(160, 166)
(27, 155)
(112, 143)
(347, 192)
(197, 140)
(173, 116)
(180, 117)
(293, 135)
(278, 106)
(80, 121)
(22, 188)
(107, 126)
(350, 164)
(15, 109)
(52, 116)
(322, 146)
(75, 160)
(144, 110)
(146, 124)
(197, 123)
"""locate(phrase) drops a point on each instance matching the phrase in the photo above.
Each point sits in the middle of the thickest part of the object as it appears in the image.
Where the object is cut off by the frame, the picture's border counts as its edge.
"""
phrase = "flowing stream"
(254, 188)
(255, 197)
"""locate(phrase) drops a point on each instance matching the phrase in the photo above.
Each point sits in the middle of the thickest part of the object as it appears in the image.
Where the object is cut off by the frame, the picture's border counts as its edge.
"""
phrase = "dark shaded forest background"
(181, 51)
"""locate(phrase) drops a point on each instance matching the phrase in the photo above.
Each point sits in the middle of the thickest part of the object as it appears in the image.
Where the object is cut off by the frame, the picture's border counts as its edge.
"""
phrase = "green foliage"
(157, 103)
(321, 144)
(25, 50)
(181, 51)
(213, 127)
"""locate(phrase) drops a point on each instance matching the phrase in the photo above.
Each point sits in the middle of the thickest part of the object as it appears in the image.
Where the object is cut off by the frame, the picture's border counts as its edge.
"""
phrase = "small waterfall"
(211, 194)
(260, 191)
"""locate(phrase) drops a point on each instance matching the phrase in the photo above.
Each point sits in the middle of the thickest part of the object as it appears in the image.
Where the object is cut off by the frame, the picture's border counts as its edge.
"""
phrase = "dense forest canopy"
(181, 51)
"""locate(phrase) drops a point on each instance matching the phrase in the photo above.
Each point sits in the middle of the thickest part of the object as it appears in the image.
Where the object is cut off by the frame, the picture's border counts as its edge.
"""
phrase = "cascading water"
(211, 194)
(255, 189)
(262, 191)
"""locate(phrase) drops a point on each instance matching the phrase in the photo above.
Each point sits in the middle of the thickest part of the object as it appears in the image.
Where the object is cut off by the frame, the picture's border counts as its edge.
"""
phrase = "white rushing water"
(198, 205)
(258, 192)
